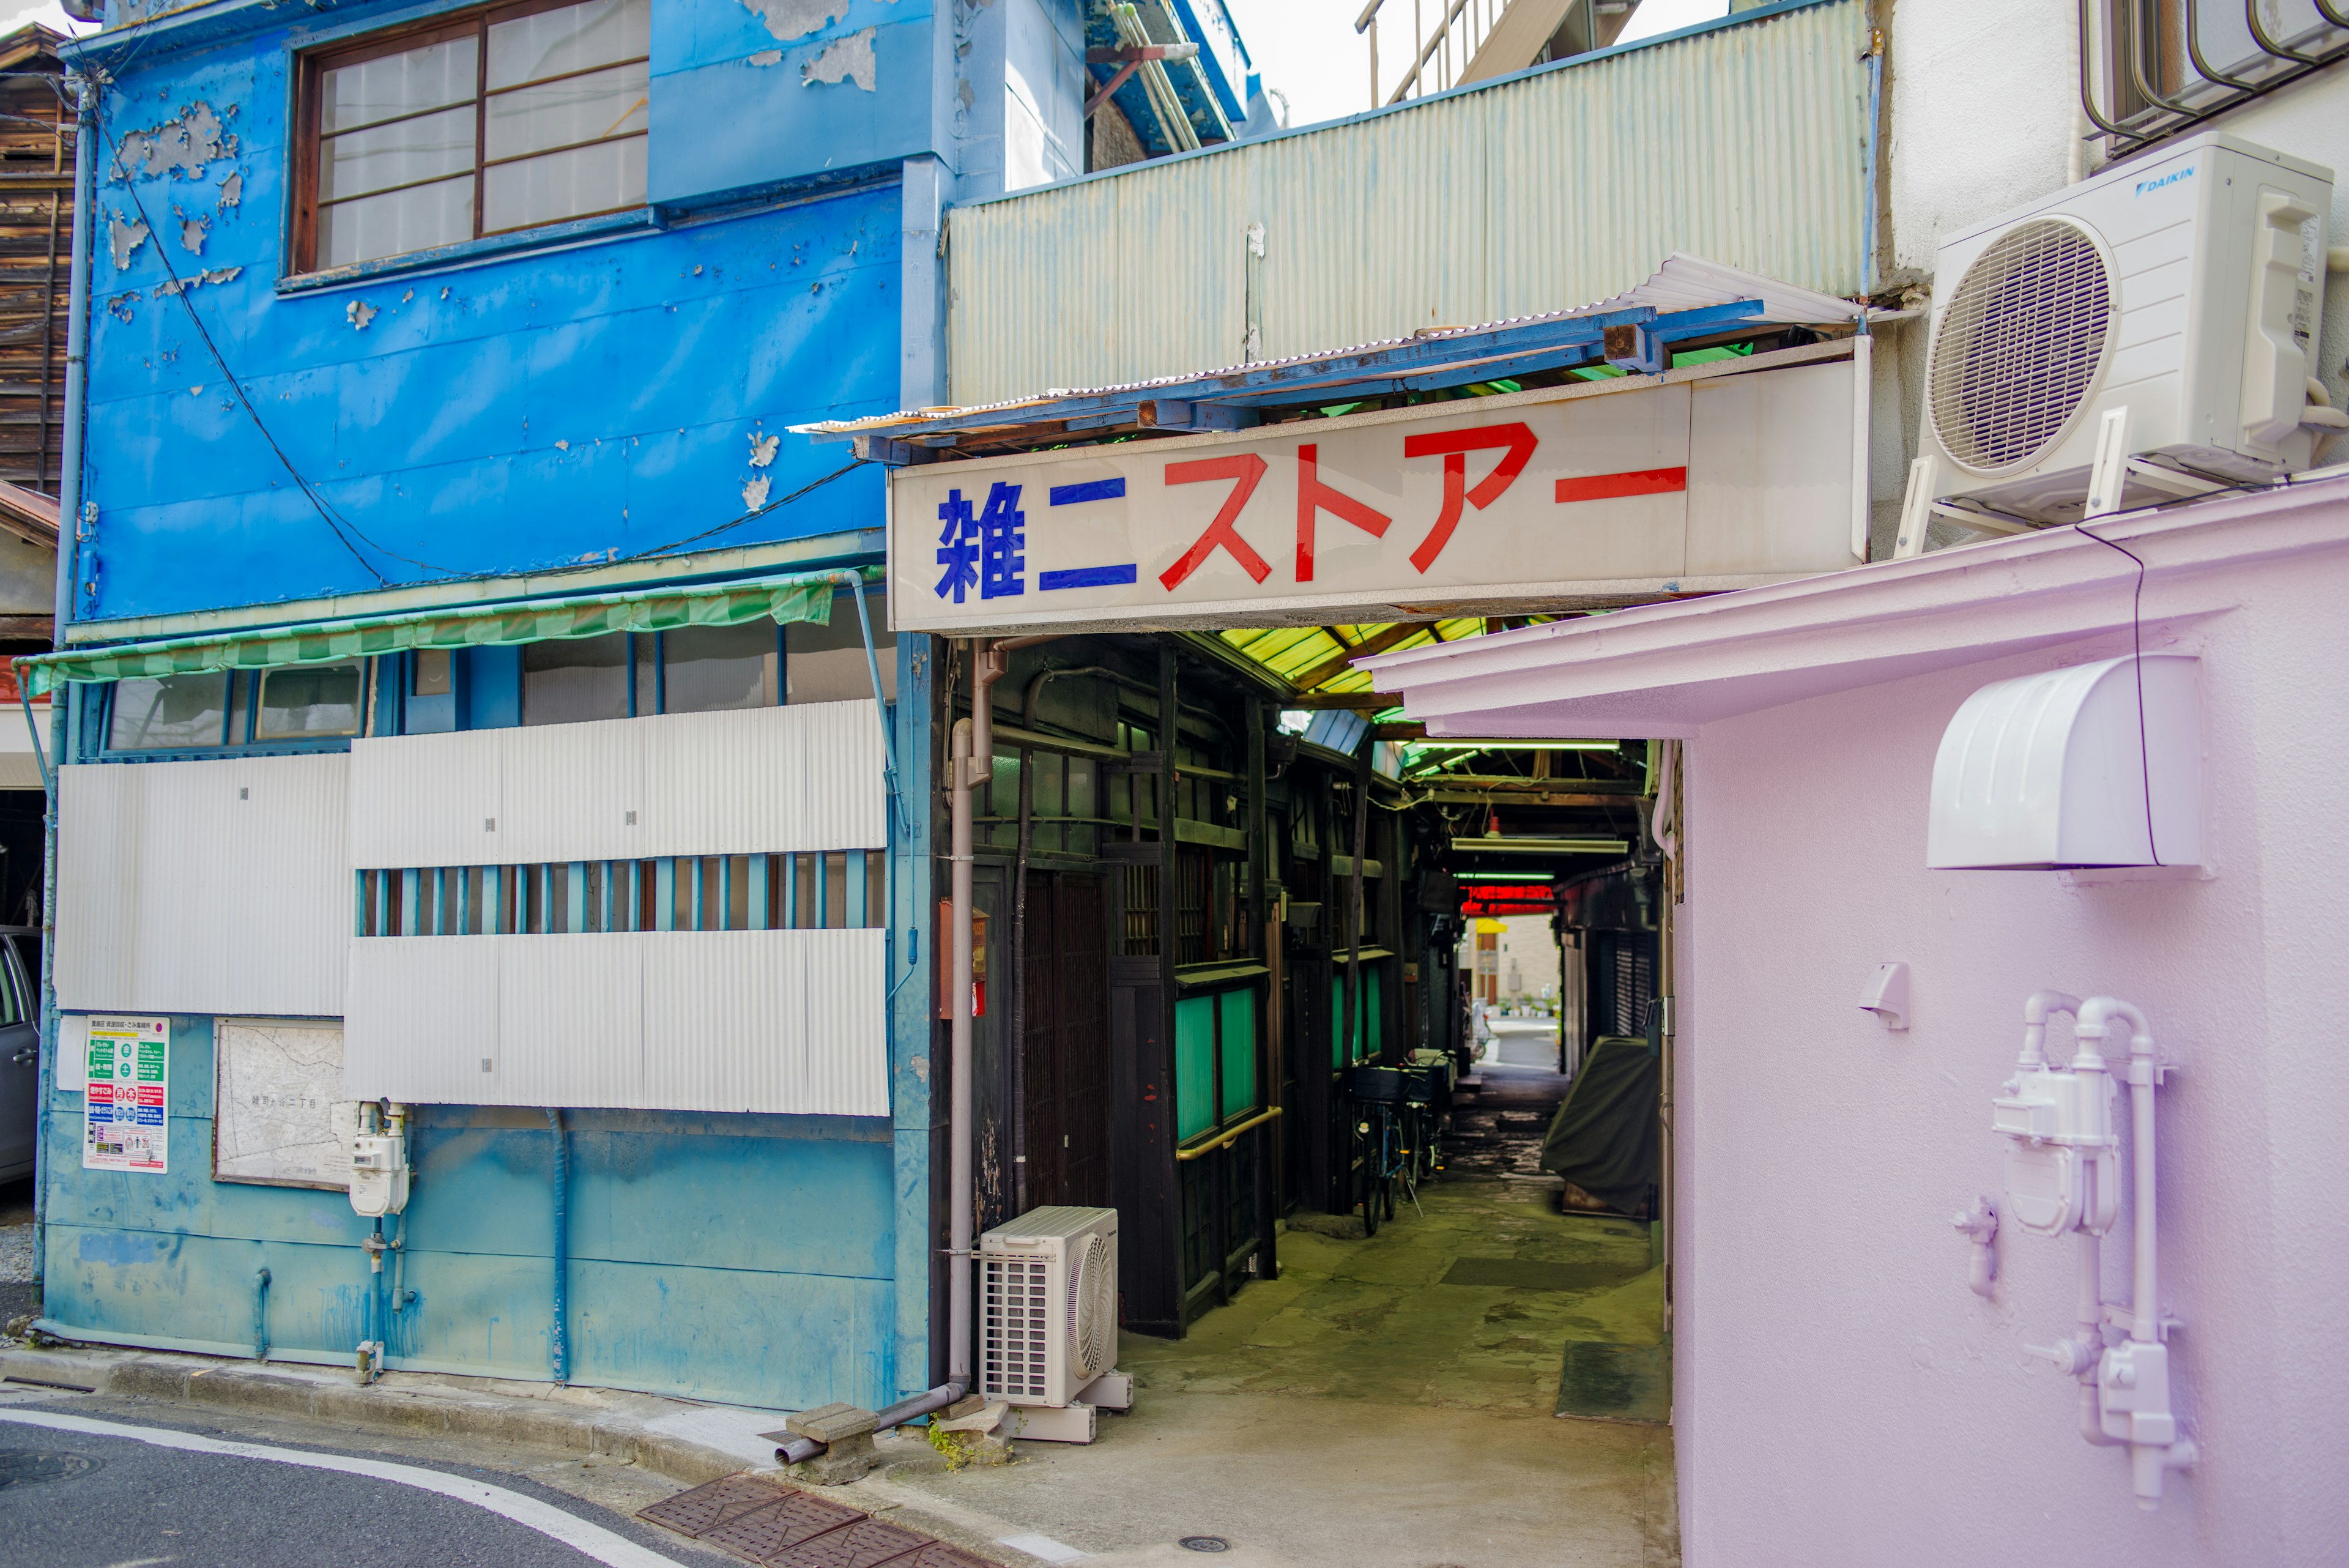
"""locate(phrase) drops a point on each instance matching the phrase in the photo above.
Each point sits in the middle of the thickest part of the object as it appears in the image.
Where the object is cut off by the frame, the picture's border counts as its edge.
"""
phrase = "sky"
(1310, 50)
(1307, 48)
(14, 14)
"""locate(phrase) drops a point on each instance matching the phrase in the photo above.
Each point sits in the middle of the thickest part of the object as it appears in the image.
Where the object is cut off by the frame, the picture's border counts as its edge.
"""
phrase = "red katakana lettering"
(1248, 471)
(1313, 496)
(1453, 447)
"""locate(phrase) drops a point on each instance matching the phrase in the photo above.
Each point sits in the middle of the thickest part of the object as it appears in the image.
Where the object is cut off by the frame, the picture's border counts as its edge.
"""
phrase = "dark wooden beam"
(1376, 643)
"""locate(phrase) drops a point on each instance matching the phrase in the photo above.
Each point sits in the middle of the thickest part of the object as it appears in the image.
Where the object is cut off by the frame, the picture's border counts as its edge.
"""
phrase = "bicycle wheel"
(1362, 1144)
(1391, 1160)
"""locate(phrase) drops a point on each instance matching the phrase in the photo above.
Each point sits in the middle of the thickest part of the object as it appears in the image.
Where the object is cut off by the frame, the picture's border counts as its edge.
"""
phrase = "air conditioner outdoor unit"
(2186, 286)
(1048, 1321)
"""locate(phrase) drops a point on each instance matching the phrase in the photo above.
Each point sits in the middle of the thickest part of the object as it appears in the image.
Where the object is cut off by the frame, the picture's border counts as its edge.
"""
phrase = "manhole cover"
(1205, 1544)
(30, 1467)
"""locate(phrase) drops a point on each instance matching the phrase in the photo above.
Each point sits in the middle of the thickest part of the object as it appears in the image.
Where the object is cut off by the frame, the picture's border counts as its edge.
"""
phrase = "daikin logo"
(2144, 185)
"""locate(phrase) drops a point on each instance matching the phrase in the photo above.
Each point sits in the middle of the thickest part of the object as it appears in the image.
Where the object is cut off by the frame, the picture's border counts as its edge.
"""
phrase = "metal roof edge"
(1971, 601)
(845, 548)
(1718, 25)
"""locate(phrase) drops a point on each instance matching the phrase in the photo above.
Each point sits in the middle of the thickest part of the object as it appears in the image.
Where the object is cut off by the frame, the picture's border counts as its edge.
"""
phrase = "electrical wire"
(344, 530)
(339, 526)
(749, 516)
(2137, 666)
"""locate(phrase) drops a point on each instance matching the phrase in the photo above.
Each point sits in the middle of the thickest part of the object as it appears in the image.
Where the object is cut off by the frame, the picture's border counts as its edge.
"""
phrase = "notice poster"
(125, 1124)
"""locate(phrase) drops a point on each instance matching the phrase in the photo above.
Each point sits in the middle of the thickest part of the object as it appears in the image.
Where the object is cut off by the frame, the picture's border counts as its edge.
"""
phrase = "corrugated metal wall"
(1743, 145)
(757, 781)
(785, 1022)
(203, 886)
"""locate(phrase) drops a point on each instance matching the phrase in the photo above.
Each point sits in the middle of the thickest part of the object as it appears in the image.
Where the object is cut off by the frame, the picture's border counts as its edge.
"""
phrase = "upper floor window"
(506, 119)
(186, 712)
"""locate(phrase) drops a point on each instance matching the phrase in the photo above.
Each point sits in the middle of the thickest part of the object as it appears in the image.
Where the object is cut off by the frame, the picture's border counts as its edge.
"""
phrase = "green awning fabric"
(800, 595)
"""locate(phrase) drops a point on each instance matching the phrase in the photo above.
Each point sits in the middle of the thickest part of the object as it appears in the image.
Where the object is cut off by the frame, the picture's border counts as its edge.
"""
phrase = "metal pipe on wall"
(562, 1336)
(973, 760)
(68, 532)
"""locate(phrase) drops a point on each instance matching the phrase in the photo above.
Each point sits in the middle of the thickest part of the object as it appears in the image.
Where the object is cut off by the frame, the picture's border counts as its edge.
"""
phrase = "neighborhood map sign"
(1591, 495)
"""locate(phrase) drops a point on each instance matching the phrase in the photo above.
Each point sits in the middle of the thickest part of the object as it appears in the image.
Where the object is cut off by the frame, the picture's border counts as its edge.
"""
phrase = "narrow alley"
(1397, 1398)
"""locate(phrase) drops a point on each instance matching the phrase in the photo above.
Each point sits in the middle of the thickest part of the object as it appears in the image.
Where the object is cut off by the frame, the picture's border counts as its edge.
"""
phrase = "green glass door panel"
(1194, 1065)
(1237, 1009)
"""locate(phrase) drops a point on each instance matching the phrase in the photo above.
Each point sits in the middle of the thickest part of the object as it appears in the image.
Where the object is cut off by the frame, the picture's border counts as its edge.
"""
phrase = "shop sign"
(1586, 494)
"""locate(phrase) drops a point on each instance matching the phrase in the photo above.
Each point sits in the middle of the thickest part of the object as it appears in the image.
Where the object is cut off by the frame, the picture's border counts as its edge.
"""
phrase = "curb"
(403, 1404)
(608, 1423)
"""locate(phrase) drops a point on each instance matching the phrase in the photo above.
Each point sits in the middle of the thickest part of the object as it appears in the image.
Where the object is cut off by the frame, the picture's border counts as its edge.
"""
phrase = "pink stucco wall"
(1842, 1398)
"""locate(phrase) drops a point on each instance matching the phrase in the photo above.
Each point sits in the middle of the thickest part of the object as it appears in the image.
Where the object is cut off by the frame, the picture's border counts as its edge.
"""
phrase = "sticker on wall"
(125, 1108)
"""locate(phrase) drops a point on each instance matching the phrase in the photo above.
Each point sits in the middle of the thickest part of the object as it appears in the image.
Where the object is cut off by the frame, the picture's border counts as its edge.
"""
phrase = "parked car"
(20, 1047)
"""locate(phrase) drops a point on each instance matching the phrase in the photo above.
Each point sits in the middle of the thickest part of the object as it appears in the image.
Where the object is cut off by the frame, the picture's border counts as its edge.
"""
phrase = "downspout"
(973, 759)
(70, 525)
(68, 569)
(562, 1337)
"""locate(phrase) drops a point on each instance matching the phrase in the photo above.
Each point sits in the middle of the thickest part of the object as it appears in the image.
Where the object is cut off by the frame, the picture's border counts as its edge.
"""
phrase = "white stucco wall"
(1841, 1396)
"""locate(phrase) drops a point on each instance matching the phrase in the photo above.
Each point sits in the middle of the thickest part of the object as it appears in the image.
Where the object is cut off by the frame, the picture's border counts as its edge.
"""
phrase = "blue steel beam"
(1425, 363)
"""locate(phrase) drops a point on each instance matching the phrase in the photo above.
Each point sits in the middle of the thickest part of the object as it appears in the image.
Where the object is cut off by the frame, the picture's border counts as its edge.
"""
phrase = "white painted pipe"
(2036, 1010)
(2147, 1461)
(958, 1113)
(973, 761)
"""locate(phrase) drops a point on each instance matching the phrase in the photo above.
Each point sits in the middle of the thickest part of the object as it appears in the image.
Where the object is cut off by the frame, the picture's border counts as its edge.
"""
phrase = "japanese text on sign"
(126, 1106)
(1679, 487)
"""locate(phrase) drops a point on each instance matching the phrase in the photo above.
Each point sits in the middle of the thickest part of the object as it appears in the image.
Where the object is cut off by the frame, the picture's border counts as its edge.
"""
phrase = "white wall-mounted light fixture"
(1887, 995)
(2096, 765)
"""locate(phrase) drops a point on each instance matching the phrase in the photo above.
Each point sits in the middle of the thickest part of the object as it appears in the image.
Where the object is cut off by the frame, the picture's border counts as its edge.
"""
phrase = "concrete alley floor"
(1361, 1410)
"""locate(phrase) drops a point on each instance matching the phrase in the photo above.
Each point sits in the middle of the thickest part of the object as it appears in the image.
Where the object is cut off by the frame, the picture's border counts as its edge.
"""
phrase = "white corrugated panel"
(1744, 144)
(424, 799)
(571, 1021)
(569, 789)
(841, 802)
(204, 886)
(765, 781)
(767, 1020)
(780, 1021)
(752, 782)
(421, 1019)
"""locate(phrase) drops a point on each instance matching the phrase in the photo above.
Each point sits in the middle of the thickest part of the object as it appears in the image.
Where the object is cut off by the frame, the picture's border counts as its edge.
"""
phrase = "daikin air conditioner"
(2185, 286)
(1048, 1320)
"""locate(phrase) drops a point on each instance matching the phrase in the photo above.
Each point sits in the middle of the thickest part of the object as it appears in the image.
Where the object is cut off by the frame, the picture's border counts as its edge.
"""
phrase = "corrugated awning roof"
(792, 596)
(1687, 298)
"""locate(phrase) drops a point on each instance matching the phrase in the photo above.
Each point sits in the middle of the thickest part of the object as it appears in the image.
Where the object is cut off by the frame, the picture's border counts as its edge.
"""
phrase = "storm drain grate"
(778, 1528)
(770, 1534)
(704, 1508)
(939, 1554)
(864, 1545)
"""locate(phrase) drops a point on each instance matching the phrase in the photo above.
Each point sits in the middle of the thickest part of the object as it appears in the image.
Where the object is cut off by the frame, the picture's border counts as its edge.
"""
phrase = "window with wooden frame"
(507, 119)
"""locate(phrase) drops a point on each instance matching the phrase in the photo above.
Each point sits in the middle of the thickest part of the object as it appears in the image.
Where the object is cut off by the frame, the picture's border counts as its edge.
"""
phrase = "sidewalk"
(685, 1442)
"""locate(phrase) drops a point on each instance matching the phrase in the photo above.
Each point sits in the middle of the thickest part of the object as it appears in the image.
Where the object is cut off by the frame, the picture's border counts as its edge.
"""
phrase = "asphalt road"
(89, 1488)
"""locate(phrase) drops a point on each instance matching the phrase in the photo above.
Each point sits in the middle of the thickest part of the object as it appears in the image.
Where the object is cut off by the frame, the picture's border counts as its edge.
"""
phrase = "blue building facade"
(404, 311)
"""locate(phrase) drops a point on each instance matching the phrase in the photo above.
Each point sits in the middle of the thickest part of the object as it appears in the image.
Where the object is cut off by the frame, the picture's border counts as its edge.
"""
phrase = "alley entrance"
(1396, 1398)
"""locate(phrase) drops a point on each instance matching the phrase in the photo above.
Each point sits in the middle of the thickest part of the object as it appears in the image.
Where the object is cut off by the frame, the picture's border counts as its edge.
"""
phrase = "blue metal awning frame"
(1637, 340)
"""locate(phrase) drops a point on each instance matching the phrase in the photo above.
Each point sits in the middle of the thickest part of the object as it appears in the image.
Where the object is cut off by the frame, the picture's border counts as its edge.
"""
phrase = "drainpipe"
(77, 359)
(2135, 1376)
(68, 530)
(562, 1338)
(973, 753)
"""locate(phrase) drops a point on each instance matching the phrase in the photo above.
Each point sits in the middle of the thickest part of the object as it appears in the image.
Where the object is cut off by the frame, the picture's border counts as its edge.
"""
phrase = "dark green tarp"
(1603, 1139)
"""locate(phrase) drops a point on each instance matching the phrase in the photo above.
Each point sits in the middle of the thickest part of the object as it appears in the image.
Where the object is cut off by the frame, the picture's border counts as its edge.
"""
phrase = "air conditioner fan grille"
(2019, 344)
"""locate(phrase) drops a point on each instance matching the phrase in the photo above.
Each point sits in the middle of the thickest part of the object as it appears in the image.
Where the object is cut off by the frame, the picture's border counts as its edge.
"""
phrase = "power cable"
(344, 530)
(339, 526)
(2136, 667)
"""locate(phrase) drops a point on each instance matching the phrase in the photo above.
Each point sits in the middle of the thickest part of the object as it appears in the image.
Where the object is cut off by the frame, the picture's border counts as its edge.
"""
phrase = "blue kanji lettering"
(1002, 544)
(958, 547)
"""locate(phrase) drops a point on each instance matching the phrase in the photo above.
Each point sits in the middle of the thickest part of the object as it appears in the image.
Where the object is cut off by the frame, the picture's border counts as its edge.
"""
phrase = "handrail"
(1227, 1138)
